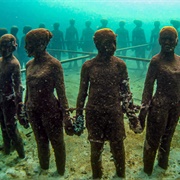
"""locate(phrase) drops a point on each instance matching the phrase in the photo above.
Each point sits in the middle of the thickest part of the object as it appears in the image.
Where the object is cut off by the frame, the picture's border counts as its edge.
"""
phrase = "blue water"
(33, 12)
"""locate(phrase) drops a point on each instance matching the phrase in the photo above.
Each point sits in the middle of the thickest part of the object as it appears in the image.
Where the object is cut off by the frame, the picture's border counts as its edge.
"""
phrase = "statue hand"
(22, 116)
(68, 125)
(135, 126)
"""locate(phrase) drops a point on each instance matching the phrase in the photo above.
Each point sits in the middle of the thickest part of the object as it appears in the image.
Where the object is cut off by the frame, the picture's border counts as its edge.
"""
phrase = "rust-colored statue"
(10, 95)
(46, 113)
(105, 80)
(163, 107)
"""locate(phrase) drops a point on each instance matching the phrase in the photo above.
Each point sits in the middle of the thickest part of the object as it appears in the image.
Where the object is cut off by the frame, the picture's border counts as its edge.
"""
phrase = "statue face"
(30, 48)
(36, 41)
(108, 46)
(6, 48)
(34, 47)
(168, 41)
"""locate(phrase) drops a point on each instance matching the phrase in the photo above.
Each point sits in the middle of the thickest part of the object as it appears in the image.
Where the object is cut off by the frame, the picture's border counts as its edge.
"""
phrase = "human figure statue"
(162, 107)
(176, 25)
(86, 41)
(10, 96)
(72, 39)
(14, 30)
(42, 25)
(104, 79)
(46, 113)
(154, 43)
(22, 53)
(138, 38)
(57, 41)
(122, 38)
(104, 23)
(3, 31)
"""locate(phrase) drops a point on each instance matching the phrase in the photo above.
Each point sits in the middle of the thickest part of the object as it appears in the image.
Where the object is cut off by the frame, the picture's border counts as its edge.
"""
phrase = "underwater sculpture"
(57, 42)
(14, 31)
(3, 31)
(104, 23)
(176, 25)
(163, 107)
(42, 25)
(10, 96)
(139, 38)
(72, 39)
(86, 41)
(154, 46)
(105, 77)
(23, 59)
(45, 112)
(123, 38)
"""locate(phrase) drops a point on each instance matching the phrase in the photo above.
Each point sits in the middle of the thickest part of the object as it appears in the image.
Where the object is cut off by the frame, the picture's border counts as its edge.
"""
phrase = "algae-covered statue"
(46, 113)
(163, 107)
(10, 95)
(105, 80)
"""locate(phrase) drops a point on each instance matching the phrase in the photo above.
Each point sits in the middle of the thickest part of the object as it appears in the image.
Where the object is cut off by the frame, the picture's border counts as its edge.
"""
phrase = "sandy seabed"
(78, 148)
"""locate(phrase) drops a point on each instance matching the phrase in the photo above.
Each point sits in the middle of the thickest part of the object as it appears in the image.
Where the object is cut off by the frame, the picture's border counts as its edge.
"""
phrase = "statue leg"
(156, 123)
(5, 136)
(41, 139)
(118, 152)
(166, 139)
(149, 154)
(96, 159)
(11, 128)
(57, 140)
(60, 157)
